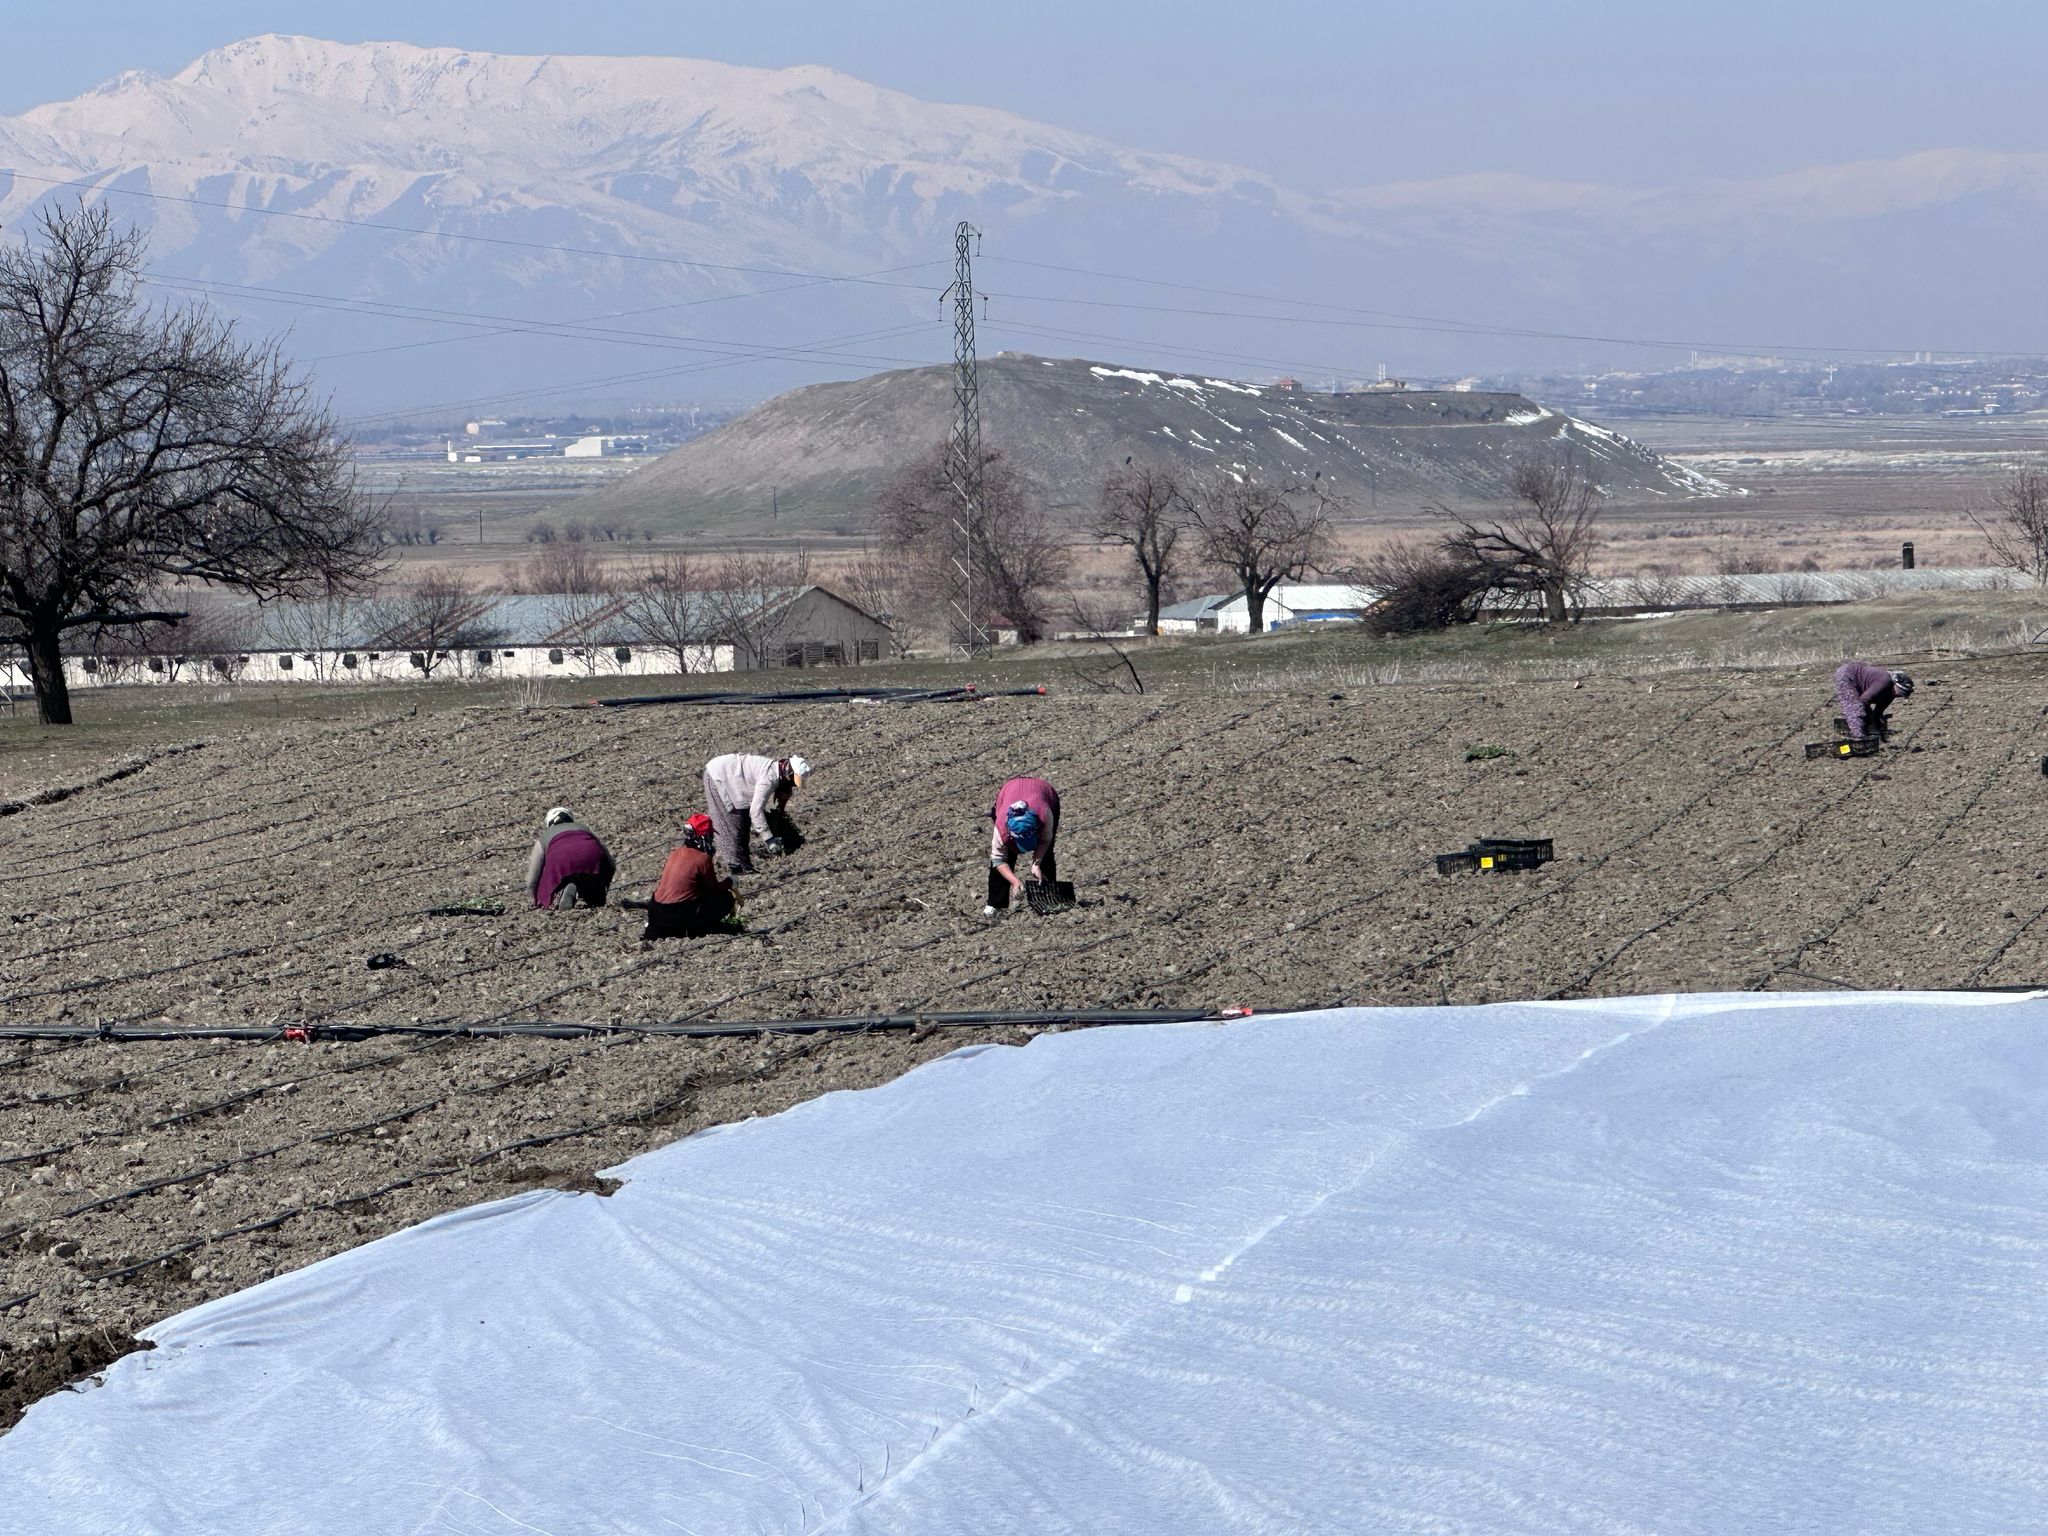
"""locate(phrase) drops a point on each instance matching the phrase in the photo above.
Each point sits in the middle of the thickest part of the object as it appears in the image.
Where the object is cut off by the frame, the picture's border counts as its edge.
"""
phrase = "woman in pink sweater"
(1027, 823)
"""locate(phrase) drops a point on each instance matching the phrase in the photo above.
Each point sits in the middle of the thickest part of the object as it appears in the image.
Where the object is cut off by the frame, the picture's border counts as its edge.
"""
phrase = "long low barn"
(542, 635)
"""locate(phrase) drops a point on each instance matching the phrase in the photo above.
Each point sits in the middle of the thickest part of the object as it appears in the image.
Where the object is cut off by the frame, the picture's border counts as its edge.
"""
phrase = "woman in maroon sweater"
(569, 866)
(1865, 692)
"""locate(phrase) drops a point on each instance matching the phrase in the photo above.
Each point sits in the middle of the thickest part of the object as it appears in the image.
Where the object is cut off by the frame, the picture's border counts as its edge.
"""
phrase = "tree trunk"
(1553, 605)
(1152, 607)
(46, 672)
(1255, 609)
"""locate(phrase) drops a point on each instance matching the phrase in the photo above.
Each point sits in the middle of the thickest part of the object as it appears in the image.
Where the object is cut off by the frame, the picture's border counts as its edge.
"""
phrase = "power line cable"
(617, 314)
(447, 234)
(651, 375)
(1385, 319)
(1454, 328)
(1361, 318)
(496, 324)
(1368, 318)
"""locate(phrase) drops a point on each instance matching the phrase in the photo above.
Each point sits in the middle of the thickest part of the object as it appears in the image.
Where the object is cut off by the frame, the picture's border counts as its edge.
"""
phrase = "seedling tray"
(1043, 901)
(1536, 848)
(1507, 858)
(1494, 854)
(1868, 747)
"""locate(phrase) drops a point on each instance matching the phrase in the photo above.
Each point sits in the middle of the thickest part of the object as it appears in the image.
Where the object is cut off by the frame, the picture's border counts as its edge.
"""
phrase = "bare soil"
(1265, 847)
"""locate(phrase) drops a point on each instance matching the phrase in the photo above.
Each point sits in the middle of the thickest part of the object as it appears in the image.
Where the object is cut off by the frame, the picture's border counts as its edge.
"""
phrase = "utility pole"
(963, 452)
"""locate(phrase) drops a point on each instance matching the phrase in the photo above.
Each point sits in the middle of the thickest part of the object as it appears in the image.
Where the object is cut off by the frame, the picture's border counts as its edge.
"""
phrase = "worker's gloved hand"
(771, 845)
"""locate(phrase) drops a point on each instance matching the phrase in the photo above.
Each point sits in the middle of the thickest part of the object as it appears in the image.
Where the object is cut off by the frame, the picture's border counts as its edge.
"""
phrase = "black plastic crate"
(1867, 747)
(1461, 863)
(1508, 858)
(1043, 901)
(1536, 848)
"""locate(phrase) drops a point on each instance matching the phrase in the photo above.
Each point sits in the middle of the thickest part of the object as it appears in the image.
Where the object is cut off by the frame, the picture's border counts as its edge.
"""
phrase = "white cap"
(556, 816)
(799, 769)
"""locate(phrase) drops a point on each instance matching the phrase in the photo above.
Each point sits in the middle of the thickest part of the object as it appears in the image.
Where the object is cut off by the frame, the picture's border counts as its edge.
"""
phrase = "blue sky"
(1320, 93)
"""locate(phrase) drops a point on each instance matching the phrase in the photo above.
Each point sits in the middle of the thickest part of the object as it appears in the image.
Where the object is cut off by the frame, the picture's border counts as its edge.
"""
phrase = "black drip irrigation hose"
(64, 792)
(544, 1029)
(964, 694)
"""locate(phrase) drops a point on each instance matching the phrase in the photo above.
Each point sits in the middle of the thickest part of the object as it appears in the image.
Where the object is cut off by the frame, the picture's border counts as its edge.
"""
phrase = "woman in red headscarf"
(689, 899)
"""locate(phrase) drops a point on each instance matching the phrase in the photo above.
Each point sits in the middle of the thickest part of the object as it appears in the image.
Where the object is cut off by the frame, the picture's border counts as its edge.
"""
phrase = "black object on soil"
(1867, 747)
(1059, 898)
(1496, 854)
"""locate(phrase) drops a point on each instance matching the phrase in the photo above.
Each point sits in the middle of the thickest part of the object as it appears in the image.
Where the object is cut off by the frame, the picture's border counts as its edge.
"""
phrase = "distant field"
(115, 723)
(1839, 493)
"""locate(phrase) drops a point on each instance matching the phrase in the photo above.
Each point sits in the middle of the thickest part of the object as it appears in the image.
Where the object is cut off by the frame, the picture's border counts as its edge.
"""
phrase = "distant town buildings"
(593, 445)
(1764, 386)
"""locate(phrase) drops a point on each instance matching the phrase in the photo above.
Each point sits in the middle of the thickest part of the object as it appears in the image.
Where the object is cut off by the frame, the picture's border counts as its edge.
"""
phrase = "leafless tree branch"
(143, 447)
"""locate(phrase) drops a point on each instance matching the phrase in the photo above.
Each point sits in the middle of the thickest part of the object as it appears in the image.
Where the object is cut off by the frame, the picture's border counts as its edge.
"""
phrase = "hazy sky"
(1319, 93)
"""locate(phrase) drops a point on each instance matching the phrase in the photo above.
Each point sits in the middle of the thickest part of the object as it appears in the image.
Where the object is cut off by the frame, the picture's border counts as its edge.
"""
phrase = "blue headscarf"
(1022, 825)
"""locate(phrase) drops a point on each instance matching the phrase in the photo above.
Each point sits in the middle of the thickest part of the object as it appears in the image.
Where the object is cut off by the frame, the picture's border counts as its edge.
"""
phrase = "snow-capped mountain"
(690, 172)
(514, 192)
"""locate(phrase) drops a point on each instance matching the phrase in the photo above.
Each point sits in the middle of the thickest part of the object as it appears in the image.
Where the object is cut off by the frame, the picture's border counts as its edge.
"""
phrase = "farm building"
(397, 638)
(1776, 589)
(1226, 613)
(1194, 617)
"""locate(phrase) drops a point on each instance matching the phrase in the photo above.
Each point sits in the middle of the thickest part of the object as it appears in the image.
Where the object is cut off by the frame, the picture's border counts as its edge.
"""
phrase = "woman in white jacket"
(741, 791)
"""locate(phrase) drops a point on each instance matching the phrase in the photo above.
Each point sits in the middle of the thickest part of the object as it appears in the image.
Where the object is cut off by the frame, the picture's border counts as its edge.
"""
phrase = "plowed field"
(1255, 848)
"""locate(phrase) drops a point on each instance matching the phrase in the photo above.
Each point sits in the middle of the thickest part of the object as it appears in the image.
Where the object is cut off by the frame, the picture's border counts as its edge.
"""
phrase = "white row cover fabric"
(1720, 1264)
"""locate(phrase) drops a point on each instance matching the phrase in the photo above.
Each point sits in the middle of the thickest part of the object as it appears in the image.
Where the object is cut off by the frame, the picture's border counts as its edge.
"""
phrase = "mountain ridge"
(813, 170)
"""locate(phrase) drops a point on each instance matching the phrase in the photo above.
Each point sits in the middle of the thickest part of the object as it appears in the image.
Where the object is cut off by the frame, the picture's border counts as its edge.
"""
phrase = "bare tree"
(667, 606)
(1262, 534)
(1019, 556)
(432, 619)
(1541, 549)
(557, 567)
(216, 638)
(750, 604)
(2016, 527)
(1112, 675)
(141, 448)
(878, 585)
(1415, 586)
(591, 625)
(317, 630)
(409, 525)
(1145, 509)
